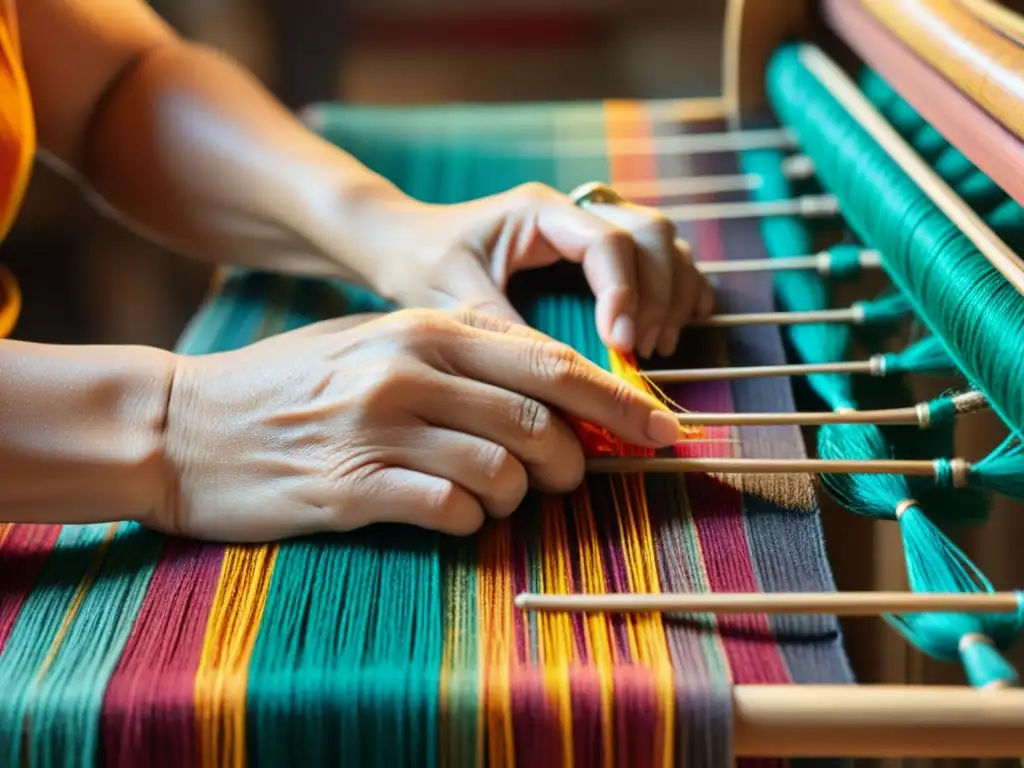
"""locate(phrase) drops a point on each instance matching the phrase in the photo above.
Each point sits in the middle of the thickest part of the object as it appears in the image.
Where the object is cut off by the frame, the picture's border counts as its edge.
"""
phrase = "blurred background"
(86, 280)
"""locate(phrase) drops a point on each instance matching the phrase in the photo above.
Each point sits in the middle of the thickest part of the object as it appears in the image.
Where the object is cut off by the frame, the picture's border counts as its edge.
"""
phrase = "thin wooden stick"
(967, 221)
(877, 721)
(793, 167)
(832, 603)
(917, 415)
(907, 416)
(986, 142)
(820, 262)
(853, 315)
(625, 465)
(683, 186)
(1006, 20)
(687, 144)
(871, 367)
(808, 206)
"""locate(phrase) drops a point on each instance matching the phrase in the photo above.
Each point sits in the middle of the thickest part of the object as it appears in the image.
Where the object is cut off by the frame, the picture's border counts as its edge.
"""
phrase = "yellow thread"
(231, 631)
(635, 377)
(557, 648)
(495, 604)
(596, 627)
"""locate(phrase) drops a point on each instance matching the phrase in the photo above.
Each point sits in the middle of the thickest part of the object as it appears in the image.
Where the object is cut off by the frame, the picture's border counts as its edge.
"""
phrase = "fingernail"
(663, 428)
(647, 348)
(622, 332)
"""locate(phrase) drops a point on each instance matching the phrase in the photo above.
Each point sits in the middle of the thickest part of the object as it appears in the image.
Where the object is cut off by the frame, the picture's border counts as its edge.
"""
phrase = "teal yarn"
(970, 183)
(903, 117)
(798, 291)
(953, 288)
(844, 261)
(805, 291)
(1002, 470)
(935, 564)
(887, 309)
(984, 664)
(927, 355)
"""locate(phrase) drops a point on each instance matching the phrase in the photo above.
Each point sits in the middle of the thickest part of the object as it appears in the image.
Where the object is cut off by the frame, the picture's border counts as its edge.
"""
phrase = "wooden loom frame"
(870, 721)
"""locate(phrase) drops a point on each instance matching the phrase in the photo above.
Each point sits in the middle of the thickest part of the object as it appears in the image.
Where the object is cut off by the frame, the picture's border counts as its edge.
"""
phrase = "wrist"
(83, 435)
(370, 228)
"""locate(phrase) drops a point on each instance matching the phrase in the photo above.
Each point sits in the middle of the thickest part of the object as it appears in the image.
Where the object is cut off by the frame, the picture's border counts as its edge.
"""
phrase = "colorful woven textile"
(394, 646)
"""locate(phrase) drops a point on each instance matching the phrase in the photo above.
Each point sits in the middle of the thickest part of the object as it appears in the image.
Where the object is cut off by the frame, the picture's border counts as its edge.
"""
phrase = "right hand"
(430, 418)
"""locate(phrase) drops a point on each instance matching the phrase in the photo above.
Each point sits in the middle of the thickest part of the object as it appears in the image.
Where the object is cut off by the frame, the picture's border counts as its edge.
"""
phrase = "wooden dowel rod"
(1006, 20)
(809, 206)
(820, 262)
(683, 375)
(988, 144)
(832, 603)
(852, 314)
(877, 721)
(793, 167)
(909, 416)
(978, 60)
(641, 191)
(631, 465)
(692, 144)
(967, 221)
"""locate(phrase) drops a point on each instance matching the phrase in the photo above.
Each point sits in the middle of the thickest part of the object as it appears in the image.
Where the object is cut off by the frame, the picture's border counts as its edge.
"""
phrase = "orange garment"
(17, 149)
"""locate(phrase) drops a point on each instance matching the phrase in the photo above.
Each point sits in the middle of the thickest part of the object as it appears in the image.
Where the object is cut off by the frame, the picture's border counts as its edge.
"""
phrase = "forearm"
(189, 147)
(81, 432)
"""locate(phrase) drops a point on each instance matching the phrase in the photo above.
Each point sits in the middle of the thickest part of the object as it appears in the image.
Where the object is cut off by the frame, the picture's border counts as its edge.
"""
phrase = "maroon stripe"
(149, 711)
(22, 556)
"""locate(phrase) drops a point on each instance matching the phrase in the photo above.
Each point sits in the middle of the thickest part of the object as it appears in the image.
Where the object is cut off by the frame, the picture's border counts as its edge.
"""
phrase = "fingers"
(646, 285)
(526, 429)
(607, 253)
(478, 292)
(487, 470)
(685, 289)
(555, 374)
(671, 287)
(400, 495)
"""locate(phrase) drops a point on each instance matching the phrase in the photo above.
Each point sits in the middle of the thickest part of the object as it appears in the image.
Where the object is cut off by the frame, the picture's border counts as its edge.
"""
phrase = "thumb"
(469, 283)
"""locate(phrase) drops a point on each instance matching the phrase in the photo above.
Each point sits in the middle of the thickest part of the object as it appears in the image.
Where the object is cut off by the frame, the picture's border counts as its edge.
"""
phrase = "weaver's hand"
(646, 286)
(424, 417)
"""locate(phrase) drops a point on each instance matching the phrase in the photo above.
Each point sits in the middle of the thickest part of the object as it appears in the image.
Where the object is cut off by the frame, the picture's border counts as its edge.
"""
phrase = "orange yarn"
(598, 441)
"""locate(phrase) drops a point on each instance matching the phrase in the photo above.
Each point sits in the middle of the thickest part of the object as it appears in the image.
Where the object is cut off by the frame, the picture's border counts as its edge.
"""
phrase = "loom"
(675, 610)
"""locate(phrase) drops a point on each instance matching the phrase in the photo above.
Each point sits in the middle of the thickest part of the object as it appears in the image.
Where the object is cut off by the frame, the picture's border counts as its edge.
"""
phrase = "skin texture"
(183, 145)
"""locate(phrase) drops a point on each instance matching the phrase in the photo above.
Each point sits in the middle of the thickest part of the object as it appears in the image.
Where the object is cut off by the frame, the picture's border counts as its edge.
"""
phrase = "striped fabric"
(394, 646)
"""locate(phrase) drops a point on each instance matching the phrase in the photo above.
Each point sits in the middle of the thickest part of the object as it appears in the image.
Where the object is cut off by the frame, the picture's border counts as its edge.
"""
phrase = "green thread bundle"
(964, 301)
(824, 343)
(1001, 212)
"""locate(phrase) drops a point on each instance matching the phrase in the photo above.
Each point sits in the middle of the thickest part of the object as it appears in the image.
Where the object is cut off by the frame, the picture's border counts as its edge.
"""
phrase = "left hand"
(646, 286)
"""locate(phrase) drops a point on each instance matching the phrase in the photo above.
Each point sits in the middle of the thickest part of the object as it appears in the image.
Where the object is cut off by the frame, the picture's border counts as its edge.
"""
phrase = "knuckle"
(493, 462)
(449, 508)
(555, 362)
(442, 500)
(421, 324)
(623, 400)
(619, 240)
(533, 420)
(388, 385)
(658, 231)
(534, 191)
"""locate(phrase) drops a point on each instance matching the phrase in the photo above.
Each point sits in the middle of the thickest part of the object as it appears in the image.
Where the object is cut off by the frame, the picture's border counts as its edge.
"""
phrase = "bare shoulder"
(73, 51)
